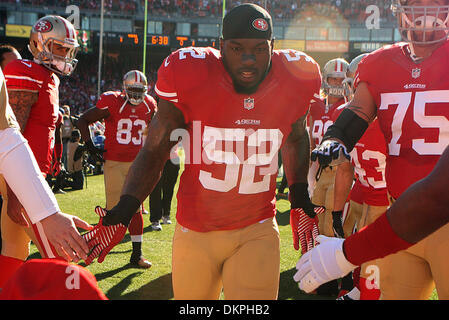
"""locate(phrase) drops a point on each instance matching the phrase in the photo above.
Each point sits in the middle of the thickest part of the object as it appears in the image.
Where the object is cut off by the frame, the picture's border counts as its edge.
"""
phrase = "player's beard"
(240, 88)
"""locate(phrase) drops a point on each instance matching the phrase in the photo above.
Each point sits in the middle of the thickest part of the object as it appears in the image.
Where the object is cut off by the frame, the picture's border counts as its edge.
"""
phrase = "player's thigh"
(405, 276)
(252, 272)
(114, 178)
(374, 212)
(352, 218)
(437, 255)
(197, 264)
(326, 179)
(15, 241)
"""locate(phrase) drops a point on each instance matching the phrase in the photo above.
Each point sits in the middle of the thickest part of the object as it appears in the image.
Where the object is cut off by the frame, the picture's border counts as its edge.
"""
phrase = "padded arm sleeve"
(349, 128)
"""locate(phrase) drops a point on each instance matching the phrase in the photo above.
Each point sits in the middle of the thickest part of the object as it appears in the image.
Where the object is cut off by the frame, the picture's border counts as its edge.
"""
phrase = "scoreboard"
(159, 40)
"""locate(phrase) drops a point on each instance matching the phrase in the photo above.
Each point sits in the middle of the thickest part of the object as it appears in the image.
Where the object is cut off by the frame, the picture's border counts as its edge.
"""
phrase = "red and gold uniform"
(124, 138)
(413, 114)
(226, 194)
(320, 118)
(368, 196)
(26, 75)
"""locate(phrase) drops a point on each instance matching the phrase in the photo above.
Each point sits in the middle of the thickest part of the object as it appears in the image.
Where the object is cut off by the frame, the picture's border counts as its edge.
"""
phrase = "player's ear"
(272, 46)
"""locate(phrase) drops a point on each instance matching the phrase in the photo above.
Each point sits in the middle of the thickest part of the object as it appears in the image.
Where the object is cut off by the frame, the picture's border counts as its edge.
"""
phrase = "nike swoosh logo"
(27, 64)
(166, 63)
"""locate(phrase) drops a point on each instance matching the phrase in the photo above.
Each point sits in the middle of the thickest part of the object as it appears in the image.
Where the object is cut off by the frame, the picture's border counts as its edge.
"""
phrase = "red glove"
(56, 169)
(304, 228)
(101, 239)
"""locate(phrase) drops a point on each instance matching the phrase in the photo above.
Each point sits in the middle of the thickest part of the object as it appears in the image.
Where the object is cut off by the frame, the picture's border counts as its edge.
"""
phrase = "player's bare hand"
(61, 230)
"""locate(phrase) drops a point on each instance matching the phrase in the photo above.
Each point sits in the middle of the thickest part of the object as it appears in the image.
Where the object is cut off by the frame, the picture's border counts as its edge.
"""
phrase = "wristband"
(123, 211)
(299, 195)
(374, 241)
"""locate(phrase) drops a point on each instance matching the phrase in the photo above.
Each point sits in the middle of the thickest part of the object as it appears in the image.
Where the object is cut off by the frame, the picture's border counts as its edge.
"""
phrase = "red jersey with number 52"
(26, 75)
(412, 107)
(232, 138)
(124, 125)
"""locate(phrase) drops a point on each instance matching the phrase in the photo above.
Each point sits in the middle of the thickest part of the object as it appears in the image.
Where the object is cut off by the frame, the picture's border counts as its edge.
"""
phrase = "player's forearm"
(296, 158)
(83, 127)
(144, 174)
(19, 166)
(418, 212)
(423, 208)
(342, 186)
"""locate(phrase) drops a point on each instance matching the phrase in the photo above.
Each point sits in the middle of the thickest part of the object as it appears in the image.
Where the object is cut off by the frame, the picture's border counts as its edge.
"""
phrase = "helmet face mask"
(64, 65)
(48, 36)
(422, 25)
(135, 86)
(348, 82)
(335, 68)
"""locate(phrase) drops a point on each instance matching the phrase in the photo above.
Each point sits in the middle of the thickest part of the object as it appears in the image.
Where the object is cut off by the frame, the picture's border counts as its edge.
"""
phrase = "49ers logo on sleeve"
(43, 26)
(260, 24)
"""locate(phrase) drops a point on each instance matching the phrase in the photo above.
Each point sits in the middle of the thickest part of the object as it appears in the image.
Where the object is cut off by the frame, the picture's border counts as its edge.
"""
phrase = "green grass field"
(120, 281)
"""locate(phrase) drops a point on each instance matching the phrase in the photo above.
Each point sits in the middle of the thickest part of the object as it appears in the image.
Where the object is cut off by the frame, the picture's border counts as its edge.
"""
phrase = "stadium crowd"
(299, 10)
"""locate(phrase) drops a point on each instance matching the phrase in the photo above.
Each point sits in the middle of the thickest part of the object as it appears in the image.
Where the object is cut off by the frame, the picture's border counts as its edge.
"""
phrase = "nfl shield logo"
(248, 103)
(416, 73)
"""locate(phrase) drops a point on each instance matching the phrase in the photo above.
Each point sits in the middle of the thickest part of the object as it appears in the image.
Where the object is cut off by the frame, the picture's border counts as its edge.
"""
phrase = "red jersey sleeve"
(175, 75)
(305, 78)
(368, 71)
(106, 100)
(151, 105)
(22, 75)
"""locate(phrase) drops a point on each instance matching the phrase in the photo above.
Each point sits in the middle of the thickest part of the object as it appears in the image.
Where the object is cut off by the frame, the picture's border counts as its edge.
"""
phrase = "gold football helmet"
(48, 35)
(135, 85)
(335, 68)
(420, 24)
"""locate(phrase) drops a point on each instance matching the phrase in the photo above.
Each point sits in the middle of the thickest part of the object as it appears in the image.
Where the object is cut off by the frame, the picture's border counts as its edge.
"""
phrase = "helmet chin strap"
(124, 104)
(412, 53)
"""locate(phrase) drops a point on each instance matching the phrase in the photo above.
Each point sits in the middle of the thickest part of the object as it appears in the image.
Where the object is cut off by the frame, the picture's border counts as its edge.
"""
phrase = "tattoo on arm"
(21, 103)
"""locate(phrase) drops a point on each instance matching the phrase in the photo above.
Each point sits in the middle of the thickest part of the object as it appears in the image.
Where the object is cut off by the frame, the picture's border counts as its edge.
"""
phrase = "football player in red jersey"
(400, 228)
(320, 118)
(411, 102)
(322, 178)
(368, 196)
(234, 109)
(126, 114)
(18, 164)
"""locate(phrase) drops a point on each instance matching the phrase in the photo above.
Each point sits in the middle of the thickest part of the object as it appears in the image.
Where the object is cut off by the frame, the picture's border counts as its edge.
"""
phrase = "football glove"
(303, 217)
(337, 224)
(56, 168)
(322, 264)
(304, 228)
(96, 153)
(330, 153)
(103, 237)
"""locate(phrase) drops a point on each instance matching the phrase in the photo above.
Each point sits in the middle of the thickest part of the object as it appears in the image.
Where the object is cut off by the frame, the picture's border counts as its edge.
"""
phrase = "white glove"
(322, 264)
